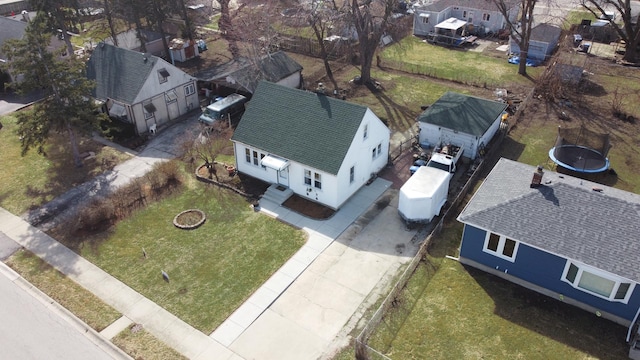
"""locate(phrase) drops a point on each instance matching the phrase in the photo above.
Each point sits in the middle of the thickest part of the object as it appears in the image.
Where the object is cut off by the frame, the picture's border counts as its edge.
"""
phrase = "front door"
(283, 177)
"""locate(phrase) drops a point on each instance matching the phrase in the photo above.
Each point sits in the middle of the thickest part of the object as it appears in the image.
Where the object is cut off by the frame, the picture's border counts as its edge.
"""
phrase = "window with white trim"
(317, 181)
(500, 246)
(255, 158)
(486, 16)
(307, 177)
(379, 149)
(148, 109)
(247, 155)
(366, 131)
(464, 14)
(189, 90)
(352, 174)
(425, 18)
(597, 282)
(373, 154)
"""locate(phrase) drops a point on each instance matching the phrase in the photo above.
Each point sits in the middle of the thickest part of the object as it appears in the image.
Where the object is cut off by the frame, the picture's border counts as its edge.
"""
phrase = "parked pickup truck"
(444, 158)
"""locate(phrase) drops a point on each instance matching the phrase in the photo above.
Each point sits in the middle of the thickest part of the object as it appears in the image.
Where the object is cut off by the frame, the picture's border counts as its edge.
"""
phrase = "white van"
(224, 109)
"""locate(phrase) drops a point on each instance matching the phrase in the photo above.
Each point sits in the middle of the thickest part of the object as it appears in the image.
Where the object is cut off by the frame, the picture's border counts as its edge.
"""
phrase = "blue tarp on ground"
(530, 62)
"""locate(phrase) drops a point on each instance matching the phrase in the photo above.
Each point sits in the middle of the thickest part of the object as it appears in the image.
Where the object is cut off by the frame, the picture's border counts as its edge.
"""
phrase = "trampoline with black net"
(581, 150)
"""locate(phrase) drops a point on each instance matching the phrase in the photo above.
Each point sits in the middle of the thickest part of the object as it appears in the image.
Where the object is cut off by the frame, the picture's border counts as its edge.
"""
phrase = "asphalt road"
(34, 328)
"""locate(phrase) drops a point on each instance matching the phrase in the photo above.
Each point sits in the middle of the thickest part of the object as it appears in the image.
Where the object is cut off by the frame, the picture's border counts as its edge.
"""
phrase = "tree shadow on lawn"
(566, 324)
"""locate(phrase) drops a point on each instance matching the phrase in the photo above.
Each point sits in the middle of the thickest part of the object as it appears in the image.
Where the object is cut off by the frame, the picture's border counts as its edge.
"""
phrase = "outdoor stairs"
(277, 194)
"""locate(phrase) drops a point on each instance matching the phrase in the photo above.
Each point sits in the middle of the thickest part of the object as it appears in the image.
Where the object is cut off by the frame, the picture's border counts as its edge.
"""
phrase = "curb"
(93, 336)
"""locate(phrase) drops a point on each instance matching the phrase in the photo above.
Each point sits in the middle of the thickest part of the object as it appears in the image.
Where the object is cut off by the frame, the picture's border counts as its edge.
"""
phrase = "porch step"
(277, 194)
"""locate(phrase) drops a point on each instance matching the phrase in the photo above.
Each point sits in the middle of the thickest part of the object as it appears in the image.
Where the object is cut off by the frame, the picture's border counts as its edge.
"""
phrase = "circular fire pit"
(189, 219)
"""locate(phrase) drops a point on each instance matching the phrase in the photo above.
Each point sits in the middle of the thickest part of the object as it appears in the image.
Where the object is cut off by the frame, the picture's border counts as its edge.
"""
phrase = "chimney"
(537, 177)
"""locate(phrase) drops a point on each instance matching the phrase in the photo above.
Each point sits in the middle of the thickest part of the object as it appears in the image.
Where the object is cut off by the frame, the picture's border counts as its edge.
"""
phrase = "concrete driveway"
(313, 317)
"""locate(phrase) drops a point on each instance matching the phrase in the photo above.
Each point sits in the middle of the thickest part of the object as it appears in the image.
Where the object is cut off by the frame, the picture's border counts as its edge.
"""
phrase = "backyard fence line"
(425, 70)
(362, 349)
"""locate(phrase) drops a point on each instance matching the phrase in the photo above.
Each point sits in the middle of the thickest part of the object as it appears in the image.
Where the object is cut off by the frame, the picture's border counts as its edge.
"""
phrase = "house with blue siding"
(568, 238)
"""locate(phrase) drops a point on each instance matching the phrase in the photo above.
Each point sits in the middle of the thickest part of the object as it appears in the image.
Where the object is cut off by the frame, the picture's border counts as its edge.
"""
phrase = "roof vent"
(537, 177)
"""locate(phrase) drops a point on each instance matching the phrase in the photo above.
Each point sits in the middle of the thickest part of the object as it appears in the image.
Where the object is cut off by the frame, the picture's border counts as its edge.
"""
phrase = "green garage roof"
(463, 113)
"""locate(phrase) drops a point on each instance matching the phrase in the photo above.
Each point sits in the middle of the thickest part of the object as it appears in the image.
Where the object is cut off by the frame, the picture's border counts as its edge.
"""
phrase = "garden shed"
(467, 121)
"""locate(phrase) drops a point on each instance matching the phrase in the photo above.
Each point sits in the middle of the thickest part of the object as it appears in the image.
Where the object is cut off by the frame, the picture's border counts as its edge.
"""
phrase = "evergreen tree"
(67, 106)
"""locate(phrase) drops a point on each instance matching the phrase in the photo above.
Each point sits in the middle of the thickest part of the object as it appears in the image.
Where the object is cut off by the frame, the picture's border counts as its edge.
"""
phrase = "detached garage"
(542, 43)
(467, 121)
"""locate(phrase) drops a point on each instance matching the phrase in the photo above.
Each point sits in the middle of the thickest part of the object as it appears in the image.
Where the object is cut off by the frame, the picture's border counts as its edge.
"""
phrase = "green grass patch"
(140, 344)
(462, 66)
(576, 17)
(213, 269)
(65, 291)
(214, 23)
(32, 180)
(452, 312)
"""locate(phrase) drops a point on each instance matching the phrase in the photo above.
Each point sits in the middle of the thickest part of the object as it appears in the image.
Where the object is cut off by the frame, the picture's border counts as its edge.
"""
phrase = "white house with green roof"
(140, 88)
(323, 149)
(463, 120)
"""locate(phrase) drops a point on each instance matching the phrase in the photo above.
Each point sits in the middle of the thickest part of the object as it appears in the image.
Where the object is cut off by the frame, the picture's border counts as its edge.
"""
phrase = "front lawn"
(33, 180)
(212, 269)
(449, 311)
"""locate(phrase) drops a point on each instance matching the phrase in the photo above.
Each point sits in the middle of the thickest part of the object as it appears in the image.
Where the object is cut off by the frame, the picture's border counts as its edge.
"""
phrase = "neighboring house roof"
(438, 6)
(305, 127)
(247, 74)
(545, 33)
(464, 113)
(119, 73)
(11, 29)
(129, 39)
(570, 217)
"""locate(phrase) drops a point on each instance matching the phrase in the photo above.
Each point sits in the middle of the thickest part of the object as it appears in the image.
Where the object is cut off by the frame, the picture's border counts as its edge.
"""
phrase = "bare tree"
(321, 21)
(206, 146)
(226, 28)
(629, 30)
(521, 31)
(371, 19)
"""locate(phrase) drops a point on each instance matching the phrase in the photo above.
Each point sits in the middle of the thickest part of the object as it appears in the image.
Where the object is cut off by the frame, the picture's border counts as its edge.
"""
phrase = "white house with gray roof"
(140, 88)
(321, 148)
(571, 239)
(482, 16)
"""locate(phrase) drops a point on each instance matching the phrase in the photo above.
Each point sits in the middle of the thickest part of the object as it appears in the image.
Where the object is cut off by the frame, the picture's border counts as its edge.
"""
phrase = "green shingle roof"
(305, 127)
(463, 113)
(119, 73)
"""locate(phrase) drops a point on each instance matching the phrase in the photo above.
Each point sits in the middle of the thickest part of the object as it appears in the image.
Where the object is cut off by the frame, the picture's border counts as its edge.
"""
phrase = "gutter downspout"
(635, 318)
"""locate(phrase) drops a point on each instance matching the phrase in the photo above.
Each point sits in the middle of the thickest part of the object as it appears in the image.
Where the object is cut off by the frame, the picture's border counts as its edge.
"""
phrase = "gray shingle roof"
(565, 217)
(464, 113)
(247, 74)
(129, 39)
(10, 29)
(311, 129)
(119, 73)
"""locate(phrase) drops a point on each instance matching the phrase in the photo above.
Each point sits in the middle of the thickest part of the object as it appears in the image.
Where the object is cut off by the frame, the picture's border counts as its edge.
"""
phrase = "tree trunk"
(107, 12)
(631, 50)
(74, 146)
(63, 27)
(136, 16)
(366, 60)
(187, 22)
(522, 67)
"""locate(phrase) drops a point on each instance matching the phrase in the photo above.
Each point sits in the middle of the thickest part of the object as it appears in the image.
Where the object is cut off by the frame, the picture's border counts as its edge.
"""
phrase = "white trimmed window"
(352, 174)
(163, 74)
(307, 177)
(379, 149)
(597, 282)
(255, 158)
(317, 181)
(366, 131)
(189, 90)
(486, 16)
(247, 155)
(170, 96)
(500, 246)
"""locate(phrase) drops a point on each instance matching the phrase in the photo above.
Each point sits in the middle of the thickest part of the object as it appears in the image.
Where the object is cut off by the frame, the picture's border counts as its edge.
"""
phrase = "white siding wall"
(435, 135)
(292, 81)
(490, 133)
